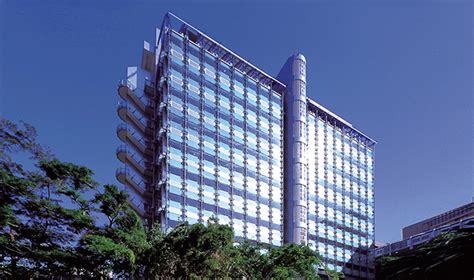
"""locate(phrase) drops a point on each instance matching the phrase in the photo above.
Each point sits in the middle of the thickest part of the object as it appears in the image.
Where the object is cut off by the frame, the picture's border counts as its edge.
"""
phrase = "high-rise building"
(207, 133)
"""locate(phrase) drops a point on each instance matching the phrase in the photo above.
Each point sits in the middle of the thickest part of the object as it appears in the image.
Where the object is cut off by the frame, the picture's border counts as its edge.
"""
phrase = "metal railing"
(123, 171)
(147, 102)
(125, 105)
(136, 135)
(423, 237)
(134, 156)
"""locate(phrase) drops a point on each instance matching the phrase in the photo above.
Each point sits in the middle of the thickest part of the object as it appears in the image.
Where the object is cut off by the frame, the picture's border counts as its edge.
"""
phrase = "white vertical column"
(297, 110)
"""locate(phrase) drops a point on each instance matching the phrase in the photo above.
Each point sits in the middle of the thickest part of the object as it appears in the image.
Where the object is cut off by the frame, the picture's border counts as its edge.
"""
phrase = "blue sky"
(399, 71)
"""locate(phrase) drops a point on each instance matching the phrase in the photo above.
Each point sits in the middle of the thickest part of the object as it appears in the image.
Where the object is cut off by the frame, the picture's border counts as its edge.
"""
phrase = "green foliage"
(46, 221)
(49, 227)
(204, 252)
(448, 256)
(190, 251)
(292, 261)
(117, 246)
(38, 231)
(333, 274)
(251, 261)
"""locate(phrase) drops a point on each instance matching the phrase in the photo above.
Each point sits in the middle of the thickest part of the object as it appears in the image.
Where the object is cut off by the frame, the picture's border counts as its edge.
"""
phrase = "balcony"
(144, 105)
(131, 116)
(137, 207)
(133, 161)
(128, 135)
(125, 177)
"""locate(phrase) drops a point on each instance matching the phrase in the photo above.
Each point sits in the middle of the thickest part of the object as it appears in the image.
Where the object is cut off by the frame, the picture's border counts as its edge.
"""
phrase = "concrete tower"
(293, 74)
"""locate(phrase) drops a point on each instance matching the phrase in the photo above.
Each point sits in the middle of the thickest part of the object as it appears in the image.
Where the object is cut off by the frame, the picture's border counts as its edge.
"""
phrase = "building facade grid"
(340, 195)
(208, 134)
(225, 140)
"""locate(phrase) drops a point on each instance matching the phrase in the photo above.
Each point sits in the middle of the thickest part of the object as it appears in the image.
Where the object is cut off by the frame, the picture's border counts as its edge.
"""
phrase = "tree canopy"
(55, 220)
(448, 256)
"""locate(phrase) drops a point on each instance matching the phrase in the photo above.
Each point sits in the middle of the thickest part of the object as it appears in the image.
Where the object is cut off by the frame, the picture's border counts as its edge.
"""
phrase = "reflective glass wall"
(340, 195)
(223, 146)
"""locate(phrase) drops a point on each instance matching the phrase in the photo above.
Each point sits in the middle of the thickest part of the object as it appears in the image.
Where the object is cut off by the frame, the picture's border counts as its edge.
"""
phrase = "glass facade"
(208, 134)
(340, 195)
(224, 145)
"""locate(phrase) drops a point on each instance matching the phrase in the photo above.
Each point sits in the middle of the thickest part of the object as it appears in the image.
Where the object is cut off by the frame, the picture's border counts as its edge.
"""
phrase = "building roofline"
(228, 55)
(465, 206)
(248, 68)
(339, 119)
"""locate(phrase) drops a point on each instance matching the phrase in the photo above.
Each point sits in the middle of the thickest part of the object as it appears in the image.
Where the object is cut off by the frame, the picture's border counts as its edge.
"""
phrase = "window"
(223, 199)
(208, 195)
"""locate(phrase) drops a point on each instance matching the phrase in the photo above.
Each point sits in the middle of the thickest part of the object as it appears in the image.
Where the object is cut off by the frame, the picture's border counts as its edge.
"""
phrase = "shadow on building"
(361, 265)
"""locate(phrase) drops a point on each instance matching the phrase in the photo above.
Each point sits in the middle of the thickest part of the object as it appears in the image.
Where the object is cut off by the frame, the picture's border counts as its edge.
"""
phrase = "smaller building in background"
(445, 218)
(461, 218)
(379, 244)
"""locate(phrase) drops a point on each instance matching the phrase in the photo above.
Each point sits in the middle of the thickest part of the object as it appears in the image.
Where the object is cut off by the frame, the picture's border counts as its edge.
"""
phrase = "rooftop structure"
(437, 221)
(421, 238)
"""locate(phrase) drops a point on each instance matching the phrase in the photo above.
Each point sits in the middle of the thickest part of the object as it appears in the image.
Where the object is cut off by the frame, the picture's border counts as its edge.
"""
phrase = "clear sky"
(399, 71)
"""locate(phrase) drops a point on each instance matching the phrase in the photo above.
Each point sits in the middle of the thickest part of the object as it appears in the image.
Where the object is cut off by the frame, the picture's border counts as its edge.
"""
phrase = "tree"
(200, 251)
(292, 261)
(251, 261)
(191, 251)
(448, 256)
(46, 220)
(332, 274)
(55, 220)
(118, 246)
(37, 230)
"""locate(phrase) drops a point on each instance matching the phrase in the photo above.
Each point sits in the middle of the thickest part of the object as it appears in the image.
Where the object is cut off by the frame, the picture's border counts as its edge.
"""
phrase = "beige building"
(461, 218)
(445, 218)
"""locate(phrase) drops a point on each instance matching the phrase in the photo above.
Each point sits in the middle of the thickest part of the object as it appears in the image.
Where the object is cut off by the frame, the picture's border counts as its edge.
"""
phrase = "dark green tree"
(191, 251)
(47, 224)
(251, 261)
(42, 210)
(56, 221)
(118, 246)
(291, 261)
(448, 256)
